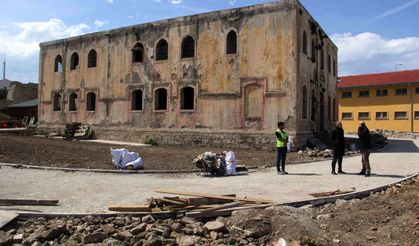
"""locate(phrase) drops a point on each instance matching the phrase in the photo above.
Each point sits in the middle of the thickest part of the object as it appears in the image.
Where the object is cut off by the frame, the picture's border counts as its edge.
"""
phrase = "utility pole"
(4, 69)
(398, 65)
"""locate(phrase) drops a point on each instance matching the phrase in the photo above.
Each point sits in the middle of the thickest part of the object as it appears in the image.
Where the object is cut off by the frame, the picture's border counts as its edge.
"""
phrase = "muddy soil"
(31, 150)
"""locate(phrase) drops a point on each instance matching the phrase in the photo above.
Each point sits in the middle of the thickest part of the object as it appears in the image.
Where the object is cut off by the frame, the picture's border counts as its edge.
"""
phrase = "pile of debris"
(396, 134)
(217, 164)
(199, 206)
(327, 153)
(378, 140)
(77, 130)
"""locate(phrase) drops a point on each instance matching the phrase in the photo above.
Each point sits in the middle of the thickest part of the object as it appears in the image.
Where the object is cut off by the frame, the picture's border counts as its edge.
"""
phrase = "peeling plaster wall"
(268, 56)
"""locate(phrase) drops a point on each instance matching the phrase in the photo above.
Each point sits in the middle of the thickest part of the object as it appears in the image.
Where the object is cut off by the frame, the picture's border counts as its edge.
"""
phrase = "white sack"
(231, 163)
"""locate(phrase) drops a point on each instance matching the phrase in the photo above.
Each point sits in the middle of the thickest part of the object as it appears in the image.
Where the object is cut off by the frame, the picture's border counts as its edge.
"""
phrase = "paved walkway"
(81, 192)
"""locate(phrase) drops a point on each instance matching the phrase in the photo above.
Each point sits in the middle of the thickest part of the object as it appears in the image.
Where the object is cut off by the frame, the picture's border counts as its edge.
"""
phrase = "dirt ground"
(30, 150)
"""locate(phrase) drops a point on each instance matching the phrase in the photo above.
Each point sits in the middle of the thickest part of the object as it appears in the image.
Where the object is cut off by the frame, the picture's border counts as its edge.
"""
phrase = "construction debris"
(201, 206)
(124, 159)
(13, 202)
(332, 193)
(217, 164)
(77, 130)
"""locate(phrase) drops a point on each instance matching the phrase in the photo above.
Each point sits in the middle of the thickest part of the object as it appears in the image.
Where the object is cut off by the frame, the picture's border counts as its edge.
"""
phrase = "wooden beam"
(219, 207)
(216, 197)
(133, 208)
(31, 202)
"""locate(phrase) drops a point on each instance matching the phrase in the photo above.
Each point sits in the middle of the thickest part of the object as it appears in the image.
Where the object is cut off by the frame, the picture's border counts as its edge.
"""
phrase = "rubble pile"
(129, 230)
(396, 134)
(77, 130)
(378, 140)
(327, 153)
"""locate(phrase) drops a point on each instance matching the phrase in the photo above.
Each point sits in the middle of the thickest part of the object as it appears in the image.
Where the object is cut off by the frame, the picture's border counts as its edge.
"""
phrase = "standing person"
(338, 140)
(364, 147)
(281, 148)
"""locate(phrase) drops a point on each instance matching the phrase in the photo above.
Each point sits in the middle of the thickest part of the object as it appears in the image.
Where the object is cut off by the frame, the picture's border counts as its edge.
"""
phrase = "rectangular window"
(401, 92)
(364, 93)
(382, 93)
(346, 94)
(417, 90)
(400, 115)
(346, 116)
(381, 116)
(363, 116)
(416, 115)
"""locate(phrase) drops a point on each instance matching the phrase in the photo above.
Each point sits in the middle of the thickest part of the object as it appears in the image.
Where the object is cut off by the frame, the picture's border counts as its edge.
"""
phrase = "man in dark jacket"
(338, 141)
(364, 147)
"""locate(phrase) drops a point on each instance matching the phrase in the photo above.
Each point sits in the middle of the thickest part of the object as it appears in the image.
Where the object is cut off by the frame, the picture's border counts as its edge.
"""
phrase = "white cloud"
(109, 1)
(99, 23)
(369, 52)
(22, 46)
(232, 2)
(176, 1)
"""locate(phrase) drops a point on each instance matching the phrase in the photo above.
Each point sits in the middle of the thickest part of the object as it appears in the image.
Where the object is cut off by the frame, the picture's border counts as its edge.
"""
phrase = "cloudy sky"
(372, 35)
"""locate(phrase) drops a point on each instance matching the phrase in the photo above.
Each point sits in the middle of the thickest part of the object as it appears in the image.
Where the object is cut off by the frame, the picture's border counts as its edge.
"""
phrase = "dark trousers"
(366, 160)
(338, 159)
(280, 158)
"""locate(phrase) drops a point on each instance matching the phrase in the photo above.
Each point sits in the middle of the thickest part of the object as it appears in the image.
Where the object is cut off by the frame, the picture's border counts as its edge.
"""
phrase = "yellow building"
(387, 101)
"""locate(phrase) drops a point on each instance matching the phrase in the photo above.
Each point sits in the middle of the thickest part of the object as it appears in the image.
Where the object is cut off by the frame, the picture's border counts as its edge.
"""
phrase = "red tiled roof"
(401, 77)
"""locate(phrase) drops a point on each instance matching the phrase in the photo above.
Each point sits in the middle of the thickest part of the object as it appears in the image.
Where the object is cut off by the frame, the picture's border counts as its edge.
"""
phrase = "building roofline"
(378, 85)
(165, 22)
(367, 74)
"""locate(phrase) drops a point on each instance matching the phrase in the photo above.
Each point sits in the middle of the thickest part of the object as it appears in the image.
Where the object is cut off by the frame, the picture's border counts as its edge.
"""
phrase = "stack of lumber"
(195, 204)
(332, 193)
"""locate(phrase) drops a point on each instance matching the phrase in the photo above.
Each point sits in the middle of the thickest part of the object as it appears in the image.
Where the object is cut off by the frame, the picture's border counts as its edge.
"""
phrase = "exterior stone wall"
(250, 90)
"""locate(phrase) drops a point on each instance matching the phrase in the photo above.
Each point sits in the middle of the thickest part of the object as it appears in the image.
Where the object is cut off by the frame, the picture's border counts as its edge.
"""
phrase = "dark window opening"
(160, 99)
(364, 93)
(335, 69)
(346, 94)
(382, 92)
(74, 63)
(58, 64)
(231, 45)
(162, 50)
(57, 102)
(137, 100)
(329, 109)
(346, 116)
(329, 64)
(381, 115)
(187, 98)
(72, 102)
(321, 59)
(91, 59)
(91, 101)
(188, 47)
(138, 53)
(417, 90)
(304, 102)
(401, 92)
(363, 116)
(334, 109)
(400, 115)
(313, 50)
(304, 43)
(313, 105)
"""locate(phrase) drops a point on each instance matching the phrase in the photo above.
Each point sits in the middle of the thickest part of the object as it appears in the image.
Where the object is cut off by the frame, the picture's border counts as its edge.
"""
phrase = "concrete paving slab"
(93, 192)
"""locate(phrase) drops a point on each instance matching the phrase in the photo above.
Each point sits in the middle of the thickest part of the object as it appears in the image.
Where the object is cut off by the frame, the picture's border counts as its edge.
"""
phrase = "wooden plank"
(224, 212)
(169, 200)
(207, 201)
(133, 208)
(219, 207)
(332, 193)
(31, 202)
(216, 197)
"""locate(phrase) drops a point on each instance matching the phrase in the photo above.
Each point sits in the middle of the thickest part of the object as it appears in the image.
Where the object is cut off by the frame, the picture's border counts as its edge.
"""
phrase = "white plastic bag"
(117, 155)
(124, 159)
(135, 165)
(231, 163)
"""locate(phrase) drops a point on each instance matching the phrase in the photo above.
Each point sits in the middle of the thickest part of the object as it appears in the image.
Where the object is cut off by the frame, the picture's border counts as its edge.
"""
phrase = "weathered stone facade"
(206, 81)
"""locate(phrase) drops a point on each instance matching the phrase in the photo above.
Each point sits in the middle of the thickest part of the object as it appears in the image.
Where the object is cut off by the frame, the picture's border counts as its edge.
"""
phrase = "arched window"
(162, 50)
(58, 64)
(91, 59)
(91, 101)
(137, 100)
(74, 62)
(188, 47)
(231, 43)
(304, 116)
(304, 43)
(335, 69)
(329, 64)
(329, 108)
(56, 102)
(138, 53)
(313, 50)
(160, 99)
(313, 105)
(321, 58)
(187, 98)
(72, 106)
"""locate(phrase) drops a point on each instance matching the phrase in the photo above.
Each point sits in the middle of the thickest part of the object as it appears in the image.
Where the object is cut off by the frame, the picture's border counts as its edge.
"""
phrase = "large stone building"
(240, 71)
